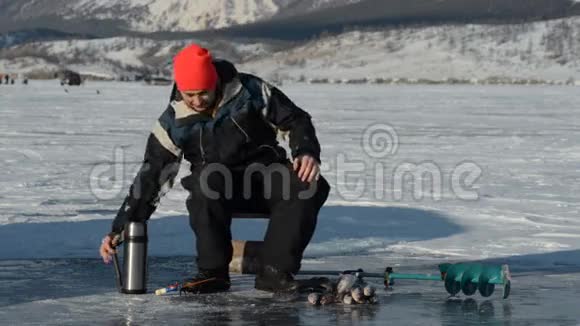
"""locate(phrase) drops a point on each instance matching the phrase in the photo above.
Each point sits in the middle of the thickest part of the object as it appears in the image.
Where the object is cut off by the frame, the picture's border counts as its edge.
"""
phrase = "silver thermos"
(133, 279)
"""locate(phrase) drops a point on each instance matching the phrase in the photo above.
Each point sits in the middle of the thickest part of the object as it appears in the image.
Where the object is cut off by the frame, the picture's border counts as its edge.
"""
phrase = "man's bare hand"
(307, 168)
(107, 248)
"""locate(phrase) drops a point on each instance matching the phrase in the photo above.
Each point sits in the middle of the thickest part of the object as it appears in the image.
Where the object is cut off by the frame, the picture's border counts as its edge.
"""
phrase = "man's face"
(199, 100)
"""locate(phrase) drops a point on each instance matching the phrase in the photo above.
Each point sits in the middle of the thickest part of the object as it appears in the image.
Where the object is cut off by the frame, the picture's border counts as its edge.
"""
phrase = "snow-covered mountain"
(295, 20)
(156, 15)
(545, 50)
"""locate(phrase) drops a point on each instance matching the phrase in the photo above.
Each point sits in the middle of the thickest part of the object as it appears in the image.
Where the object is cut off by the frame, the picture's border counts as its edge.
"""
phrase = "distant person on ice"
(225, 124)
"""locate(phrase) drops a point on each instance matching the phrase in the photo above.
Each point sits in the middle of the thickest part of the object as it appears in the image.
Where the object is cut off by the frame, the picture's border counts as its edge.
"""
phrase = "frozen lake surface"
(80, 292)
(68, 159)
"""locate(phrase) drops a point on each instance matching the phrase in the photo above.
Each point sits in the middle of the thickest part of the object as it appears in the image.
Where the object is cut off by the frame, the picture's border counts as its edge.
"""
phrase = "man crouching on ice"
(225, 124)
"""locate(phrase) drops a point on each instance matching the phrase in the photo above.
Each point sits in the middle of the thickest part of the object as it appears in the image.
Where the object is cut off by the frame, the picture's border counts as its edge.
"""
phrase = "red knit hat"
(193, 69)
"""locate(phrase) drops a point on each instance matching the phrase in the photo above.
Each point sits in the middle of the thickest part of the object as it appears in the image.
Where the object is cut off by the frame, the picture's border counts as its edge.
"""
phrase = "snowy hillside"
(541, 50)
(544, 50)
(113, 57)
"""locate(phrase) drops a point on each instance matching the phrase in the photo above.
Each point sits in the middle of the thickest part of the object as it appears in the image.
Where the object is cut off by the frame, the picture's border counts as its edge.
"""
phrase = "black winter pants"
(292, 206)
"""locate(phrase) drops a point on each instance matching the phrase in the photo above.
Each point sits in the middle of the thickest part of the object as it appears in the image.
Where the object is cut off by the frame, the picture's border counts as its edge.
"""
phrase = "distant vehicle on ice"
(156, 80)
(69, 77)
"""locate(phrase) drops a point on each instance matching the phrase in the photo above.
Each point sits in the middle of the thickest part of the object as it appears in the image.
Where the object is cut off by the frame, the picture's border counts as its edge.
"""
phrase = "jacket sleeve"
(156, 175)
(286, 116)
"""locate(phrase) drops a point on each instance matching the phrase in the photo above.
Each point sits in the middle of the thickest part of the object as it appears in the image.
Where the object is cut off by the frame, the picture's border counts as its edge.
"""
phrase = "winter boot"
(273, 280)
(207, 281)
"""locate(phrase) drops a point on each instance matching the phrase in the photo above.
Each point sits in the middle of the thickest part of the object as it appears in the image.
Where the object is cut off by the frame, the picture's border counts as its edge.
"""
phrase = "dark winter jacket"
(243, 130)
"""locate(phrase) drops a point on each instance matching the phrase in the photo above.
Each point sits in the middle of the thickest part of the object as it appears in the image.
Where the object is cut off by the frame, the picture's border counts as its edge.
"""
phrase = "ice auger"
(467, 278)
